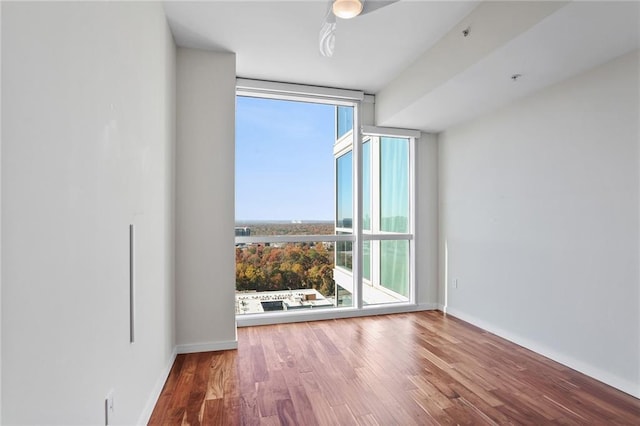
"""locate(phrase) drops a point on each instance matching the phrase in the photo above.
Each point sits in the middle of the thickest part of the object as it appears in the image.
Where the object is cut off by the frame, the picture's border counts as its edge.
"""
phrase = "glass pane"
(366, 259)
(345, 120)
(394, 266)
(394, 184)
(366, 186)
(345, 299)
(284, 165)
(344, 191)
(344, 253)
(284, 276)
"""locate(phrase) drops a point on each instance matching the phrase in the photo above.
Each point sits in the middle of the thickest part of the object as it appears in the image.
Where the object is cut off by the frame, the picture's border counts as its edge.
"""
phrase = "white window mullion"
(357, 207)
(412, 219)
(375, 213)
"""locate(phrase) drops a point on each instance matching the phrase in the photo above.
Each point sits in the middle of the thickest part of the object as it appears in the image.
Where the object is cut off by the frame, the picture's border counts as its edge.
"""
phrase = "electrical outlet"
(108, 408)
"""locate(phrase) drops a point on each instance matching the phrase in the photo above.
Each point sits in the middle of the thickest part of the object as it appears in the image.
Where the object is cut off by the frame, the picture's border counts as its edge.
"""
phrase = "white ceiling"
(392, 46)
(278, 40)
(573, 39)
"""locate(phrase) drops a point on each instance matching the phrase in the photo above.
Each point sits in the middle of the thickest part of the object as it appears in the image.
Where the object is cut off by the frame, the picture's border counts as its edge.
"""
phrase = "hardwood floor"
(406, 369)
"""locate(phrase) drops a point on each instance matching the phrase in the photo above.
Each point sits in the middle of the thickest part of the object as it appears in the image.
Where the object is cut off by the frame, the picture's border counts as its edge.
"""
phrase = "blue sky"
(284, 160)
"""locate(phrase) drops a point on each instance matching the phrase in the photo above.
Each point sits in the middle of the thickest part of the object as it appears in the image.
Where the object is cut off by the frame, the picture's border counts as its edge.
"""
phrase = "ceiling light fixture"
(347, 9)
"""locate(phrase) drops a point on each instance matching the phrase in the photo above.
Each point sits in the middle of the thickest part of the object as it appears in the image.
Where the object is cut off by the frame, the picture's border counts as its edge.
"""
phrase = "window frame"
(339, 97)
(374, 236)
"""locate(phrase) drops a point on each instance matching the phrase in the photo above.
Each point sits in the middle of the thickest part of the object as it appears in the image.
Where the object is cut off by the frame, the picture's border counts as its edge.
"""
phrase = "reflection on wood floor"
(404, 369)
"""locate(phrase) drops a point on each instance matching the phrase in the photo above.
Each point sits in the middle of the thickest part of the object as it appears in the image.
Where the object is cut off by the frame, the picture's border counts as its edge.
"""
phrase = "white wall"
(0, 221)
(540, 217)
(87, 140)
(426, 235)
(205, 256)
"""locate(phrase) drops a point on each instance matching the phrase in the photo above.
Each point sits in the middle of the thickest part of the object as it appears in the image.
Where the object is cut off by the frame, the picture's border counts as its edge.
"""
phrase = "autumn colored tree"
(296, 265)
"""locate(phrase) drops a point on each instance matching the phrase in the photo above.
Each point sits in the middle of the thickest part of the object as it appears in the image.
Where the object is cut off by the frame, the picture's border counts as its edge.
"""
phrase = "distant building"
(243, 231)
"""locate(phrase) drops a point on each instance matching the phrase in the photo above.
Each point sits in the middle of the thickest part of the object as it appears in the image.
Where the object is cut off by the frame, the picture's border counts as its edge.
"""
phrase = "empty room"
(335, 212)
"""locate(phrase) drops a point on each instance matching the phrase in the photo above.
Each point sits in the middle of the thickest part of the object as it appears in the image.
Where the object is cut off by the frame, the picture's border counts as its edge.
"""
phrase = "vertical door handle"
(131, 284)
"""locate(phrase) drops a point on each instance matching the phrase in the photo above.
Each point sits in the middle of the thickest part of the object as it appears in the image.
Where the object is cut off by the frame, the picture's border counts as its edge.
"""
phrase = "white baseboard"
(617, 382)
(145, 416)
(207, 347)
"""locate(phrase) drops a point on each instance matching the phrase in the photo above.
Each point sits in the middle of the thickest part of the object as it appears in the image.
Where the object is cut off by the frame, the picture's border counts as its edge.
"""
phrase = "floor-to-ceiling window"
(322, 222)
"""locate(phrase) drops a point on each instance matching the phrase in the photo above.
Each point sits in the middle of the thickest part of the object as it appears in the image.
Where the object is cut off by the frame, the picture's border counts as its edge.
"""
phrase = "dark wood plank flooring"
(405, 369)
